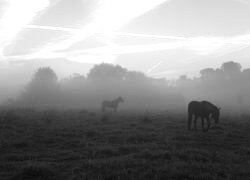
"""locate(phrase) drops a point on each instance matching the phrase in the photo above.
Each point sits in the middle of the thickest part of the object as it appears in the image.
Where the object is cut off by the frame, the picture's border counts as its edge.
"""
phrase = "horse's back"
(193, 106)
(208, 105)
(200, 107)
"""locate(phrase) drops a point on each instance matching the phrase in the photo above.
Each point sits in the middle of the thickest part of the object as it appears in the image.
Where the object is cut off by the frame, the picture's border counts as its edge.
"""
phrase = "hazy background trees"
(107, 82)
(227, 86)
(103, 82)
(42, 90)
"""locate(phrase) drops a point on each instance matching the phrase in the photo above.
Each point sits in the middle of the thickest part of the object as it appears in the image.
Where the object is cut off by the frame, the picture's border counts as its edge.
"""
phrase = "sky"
(162, 38)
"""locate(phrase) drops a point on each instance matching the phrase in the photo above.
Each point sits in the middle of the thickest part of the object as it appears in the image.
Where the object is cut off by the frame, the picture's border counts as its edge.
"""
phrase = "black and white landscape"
(124, 89)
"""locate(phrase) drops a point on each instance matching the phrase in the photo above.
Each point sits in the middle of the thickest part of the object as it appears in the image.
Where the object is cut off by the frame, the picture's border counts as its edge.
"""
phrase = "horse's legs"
(195, 122)
(202, 124)
(208, 123)
(103, 108)
(189, 121)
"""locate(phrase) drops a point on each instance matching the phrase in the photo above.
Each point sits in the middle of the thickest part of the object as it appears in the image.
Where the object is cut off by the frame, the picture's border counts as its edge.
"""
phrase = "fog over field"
(161, 53)
(227, 86)
(124, 89)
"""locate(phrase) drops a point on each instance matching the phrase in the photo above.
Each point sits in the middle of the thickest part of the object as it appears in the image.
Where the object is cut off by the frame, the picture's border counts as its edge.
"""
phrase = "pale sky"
(162, 38)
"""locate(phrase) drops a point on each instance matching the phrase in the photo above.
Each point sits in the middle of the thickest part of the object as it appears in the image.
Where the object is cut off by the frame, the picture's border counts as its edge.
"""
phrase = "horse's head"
(216, 115)
(120, 99)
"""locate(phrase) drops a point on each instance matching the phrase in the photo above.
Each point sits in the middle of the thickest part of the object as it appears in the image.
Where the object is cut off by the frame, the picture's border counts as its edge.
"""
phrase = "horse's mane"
(211, 104)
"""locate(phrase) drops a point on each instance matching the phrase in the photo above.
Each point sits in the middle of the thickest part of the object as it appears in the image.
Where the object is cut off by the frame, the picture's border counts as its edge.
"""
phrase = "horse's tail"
(190, 114)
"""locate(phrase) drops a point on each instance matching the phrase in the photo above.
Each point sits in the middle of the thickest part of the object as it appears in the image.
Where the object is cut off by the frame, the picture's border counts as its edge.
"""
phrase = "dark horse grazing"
(111, 104)
(203, 110)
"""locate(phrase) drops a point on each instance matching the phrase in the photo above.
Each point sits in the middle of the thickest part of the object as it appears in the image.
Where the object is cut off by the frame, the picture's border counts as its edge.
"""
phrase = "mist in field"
(124, 89)
(226, 86)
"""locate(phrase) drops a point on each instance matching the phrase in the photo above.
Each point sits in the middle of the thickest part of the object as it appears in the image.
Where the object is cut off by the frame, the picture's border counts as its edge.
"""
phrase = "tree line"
(227, 86)
(103, 82)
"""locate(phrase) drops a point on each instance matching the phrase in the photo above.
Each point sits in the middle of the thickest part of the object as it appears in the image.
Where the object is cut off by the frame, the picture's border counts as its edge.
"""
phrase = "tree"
(45, 75)
(43, 87)
(44, 79)
(106, 71)
(231, 68)
(136, 76)
(208, 72)
(183, 78)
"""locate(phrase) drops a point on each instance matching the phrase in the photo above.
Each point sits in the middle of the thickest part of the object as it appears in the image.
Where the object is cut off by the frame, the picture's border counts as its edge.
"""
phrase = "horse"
(112, 104)
(203, 110)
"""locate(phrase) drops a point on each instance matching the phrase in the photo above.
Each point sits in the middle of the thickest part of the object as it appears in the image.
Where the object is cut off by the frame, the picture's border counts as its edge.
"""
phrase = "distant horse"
(203, 110)
(111, 104)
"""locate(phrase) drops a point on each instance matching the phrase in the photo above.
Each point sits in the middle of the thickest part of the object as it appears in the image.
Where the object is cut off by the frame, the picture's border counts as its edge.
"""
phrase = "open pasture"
(86, 144)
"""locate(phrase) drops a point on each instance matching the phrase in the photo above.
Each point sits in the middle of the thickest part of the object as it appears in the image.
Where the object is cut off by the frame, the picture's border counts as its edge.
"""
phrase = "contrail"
(105, 19)
(243, 39)
(154, 67)
(53, 28)
(150, 36)
(74, 30)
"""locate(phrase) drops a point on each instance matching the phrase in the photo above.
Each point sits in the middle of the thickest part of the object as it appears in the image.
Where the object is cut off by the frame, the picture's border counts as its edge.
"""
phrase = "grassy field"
(72, 145)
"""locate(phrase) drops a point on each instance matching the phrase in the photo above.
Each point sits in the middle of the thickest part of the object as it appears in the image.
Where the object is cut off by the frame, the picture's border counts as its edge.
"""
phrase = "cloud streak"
(18, 13)
(109, 16)
(198, 45)
(53, 28)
